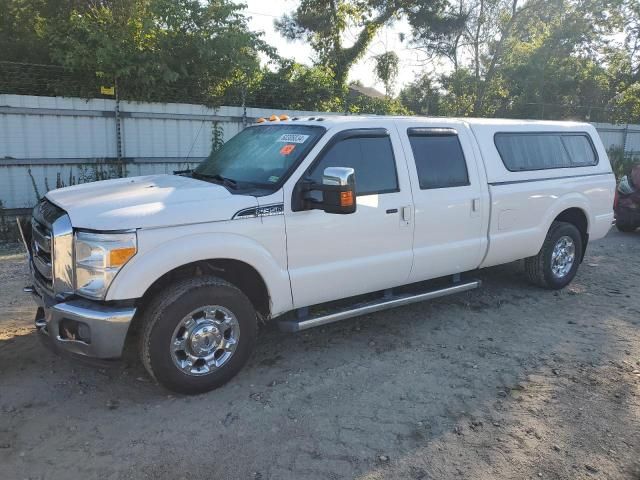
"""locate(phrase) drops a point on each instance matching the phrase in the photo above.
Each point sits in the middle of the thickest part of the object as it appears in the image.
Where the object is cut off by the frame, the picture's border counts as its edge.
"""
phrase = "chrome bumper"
(83, 327)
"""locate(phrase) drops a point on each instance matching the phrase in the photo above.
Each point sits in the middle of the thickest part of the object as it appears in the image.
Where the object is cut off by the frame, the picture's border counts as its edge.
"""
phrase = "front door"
(332, 256)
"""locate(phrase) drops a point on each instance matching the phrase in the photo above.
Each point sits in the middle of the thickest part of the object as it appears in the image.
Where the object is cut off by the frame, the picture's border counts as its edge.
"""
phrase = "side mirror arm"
(302, 199)
(337, 188)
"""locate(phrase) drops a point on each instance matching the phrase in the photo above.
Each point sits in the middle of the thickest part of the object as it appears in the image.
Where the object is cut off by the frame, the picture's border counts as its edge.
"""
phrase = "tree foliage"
(512, 58)
(323, 24)
(387, 67)
(535, 59)
(422, 97)
(292, 85)
(153, 49)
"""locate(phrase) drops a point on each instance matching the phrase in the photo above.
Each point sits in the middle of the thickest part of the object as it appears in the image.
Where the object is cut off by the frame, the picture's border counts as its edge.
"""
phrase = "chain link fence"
(266, 90)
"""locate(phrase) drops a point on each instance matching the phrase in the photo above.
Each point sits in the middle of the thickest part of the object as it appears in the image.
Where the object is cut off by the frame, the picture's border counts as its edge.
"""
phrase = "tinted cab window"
(439, 159)
(371, 158)
(540, 151)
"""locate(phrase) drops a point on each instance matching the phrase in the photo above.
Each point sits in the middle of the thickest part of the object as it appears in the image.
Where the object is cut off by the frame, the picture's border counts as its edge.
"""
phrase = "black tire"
(538, 268)
(167, 310)
(626, 227)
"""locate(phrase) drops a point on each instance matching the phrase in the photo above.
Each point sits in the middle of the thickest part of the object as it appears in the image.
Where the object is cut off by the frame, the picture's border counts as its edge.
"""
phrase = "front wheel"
(557, 262)
(197, 334)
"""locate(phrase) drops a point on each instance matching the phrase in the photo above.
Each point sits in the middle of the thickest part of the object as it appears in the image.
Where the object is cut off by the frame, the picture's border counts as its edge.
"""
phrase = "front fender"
(160, 251)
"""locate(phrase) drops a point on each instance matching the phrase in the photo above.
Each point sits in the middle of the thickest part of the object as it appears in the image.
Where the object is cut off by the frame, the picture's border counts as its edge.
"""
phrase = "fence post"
(625, 136)
(244, 106)
(118, 133)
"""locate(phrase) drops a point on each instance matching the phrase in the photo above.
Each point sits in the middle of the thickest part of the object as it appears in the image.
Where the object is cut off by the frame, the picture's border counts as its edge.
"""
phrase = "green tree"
(362, 104)
(540, 58)
(624, 68)
(294, 86)
(552, 66)
(154, 49)
(22, 28)
(421, 97)
(470, 38)
(323, 24)
(387, 67)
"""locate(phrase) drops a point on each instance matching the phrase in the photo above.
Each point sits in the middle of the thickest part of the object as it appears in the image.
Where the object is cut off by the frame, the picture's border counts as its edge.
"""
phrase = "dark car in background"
(626, 206)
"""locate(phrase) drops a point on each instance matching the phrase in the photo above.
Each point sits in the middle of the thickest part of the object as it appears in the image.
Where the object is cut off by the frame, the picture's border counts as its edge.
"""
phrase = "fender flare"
(567, 201)
(147, 266)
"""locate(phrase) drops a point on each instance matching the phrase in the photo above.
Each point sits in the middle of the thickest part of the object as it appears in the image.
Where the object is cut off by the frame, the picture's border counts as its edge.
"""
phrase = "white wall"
(48, 140)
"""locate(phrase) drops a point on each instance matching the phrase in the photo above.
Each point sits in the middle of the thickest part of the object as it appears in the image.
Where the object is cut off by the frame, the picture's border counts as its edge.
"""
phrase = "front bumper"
(83, 327)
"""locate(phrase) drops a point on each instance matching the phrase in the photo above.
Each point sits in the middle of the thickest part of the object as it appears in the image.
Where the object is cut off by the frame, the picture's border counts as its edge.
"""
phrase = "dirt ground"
(508, 381)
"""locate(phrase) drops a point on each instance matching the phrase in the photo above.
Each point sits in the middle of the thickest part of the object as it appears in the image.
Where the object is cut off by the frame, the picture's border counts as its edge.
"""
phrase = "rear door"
(332, 256)
(450, 199)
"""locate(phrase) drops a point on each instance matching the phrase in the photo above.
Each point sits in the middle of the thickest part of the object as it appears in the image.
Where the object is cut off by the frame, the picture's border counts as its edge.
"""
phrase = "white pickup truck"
(308, 221)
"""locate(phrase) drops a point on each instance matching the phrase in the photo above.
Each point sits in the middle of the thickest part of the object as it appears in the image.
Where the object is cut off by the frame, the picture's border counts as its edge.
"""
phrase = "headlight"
(98, 257)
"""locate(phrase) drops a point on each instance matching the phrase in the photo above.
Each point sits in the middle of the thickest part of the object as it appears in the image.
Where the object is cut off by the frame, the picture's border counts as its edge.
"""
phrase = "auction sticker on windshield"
(287, 149)
(293, 138)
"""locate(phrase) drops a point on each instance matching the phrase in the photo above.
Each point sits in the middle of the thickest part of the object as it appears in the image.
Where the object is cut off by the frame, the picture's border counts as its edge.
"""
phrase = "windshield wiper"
(227, 182)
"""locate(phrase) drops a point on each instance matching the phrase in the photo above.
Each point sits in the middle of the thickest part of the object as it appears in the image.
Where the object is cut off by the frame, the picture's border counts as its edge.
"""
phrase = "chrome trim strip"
(293, 326)
(43, 267)
(62, 255)
(42, 239)
(529, 180)
(84, 311)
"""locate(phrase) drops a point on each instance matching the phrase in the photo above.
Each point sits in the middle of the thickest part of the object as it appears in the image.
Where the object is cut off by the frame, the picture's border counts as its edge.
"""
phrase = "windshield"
(261, 155)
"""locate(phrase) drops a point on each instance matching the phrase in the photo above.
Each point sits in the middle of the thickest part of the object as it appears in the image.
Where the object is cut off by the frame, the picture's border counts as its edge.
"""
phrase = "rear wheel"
(198, 333)
(557, 262)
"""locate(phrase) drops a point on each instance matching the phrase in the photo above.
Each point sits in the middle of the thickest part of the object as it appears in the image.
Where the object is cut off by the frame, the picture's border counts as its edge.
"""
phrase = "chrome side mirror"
(342, 176)
(339, 190)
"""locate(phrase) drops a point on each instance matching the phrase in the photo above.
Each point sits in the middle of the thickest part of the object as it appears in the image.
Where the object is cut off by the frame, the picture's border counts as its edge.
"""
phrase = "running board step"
(384, 303)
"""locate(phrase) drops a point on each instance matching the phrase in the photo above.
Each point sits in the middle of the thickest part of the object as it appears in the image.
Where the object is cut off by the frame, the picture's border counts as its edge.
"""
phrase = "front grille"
(44, 214)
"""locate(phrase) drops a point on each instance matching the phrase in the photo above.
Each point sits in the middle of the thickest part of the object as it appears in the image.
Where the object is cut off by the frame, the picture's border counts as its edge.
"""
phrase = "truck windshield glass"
(260, 155)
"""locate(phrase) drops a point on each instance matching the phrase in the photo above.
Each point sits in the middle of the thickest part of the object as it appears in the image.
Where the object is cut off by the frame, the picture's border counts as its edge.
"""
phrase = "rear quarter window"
(521, 151)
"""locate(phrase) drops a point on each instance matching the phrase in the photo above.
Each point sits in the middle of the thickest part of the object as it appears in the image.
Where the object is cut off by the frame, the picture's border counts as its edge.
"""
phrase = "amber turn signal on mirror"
(346, 198)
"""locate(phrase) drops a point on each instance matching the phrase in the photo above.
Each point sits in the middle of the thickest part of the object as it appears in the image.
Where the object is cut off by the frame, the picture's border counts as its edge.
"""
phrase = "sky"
(262, 13)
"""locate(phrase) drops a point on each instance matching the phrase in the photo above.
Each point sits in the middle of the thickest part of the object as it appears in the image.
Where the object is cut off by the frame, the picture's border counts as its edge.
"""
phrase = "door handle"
(475, 205)
(406, 214)
(392, 210)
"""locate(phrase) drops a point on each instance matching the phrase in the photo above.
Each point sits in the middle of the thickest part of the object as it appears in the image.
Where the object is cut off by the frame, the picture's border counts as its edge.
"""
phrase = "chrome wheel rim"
(205, 340)
(563, 256)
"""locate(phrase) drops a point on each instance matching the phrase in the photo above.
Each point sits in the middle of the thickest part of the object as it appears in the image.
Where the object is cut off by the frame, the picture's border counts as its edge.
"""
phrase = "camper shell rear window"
(526, 151)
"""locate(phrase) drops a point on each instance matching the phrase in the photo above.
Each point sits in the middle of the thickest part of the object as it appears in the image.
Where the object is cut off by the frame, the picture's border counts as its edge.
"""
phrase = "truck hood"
(149, 201)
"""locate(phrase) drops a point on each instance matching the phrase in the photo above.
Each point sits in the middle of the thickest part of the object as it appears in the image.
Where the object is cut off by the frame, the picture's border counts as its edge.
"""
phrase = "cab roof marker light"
(274, 118)
(284, 117)
(261, 120)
